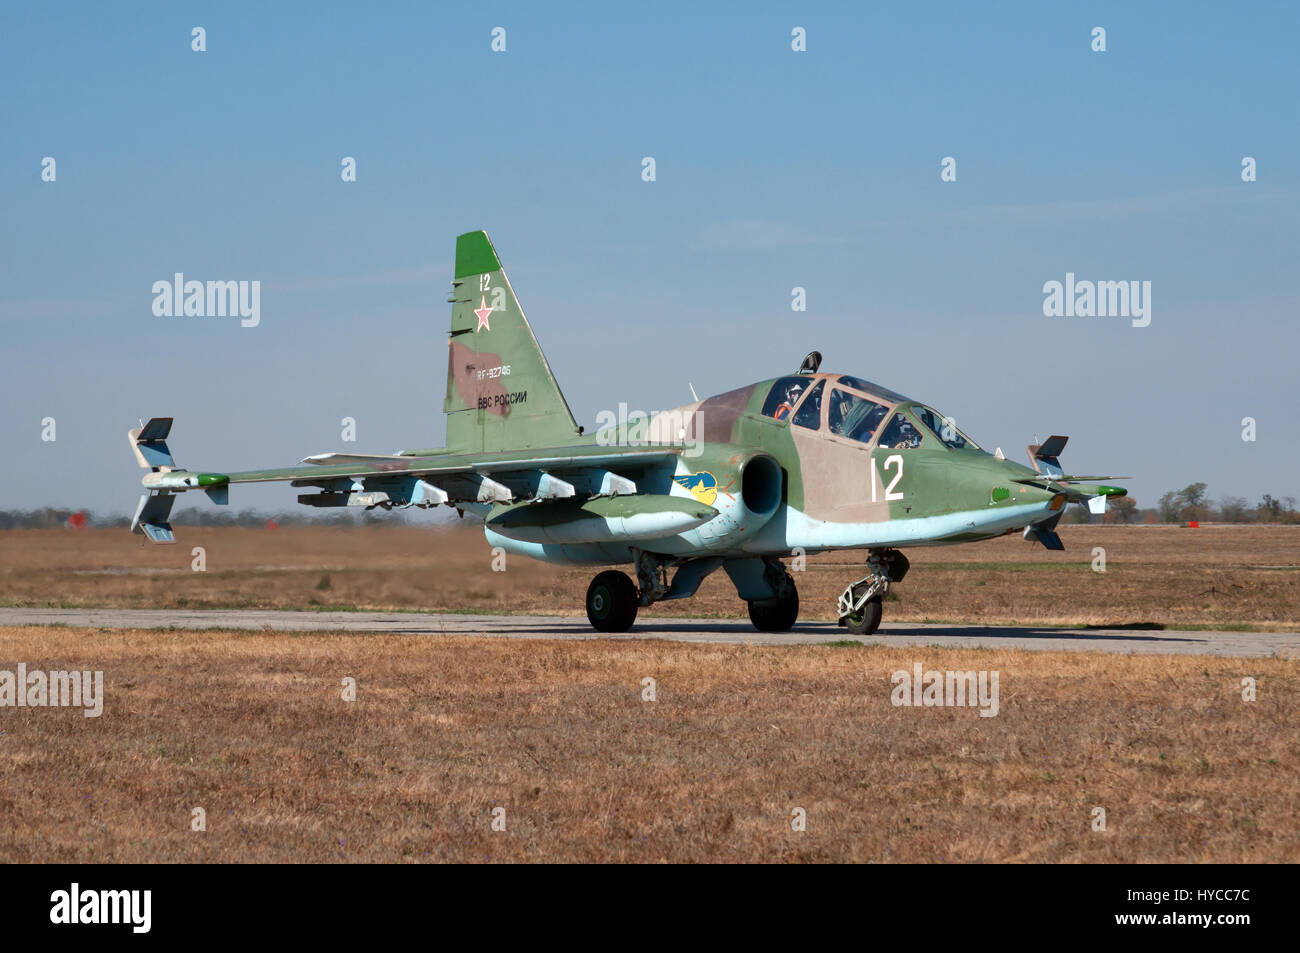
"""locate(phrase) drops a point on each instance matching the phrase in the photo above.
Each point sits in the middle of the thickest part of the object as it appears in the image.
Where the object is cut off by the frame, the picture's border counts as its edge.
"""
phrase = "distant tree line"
(1192, 504)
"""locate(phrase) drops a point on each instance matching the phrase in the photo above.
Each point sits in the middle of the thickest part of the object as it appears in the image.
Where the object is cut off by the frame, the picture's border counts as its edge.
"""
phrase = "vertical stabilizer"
(501, 394)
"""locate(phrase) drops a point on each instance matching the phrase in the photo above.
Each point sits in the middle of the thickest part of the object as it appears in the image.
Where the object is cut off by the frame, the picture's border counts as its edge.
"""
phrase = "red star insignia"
(483, 311)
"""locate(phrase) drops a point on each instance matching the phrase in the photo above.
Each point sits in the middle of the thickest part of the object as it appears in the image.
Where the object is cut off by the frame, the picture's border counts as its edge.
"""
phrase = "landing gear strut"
(861, 605)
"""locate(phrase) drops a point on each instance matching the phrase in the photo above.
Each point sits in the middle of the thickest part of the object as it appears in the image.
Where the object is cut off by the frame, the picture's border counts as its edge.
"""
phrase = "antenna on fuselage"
(694, 396)
(811, 363)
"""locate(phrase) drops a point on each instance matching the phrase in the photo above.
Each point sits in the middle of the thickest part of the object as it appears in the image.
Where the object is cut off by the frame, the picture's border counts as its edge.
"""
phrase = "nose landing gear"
(861, 605)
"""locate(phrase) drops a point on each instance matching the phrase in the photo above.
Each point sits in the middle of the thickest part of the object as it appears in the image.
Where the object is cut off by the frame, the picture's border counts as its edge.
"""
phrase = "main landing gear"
(861, 605)
(777, 614)
(613, 598)
(763, 582)
(778, 617)
(611, 602)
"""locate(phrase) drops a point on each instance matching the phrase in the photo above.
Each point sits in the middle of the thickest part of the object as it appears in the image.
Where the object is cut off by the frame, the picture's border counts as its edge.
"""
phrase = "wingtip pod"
(1044, 457)
(152, 517)
(149, 443)
(153, 512)
(164, 479)
(1044, 531)
(1048, 537)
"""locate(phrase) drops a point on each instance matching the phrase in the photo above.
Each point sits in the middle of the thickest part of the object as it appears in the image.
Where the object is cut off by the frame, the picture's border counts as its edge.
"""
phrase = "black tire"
(611, 602)
(777, 616)
(867, 619)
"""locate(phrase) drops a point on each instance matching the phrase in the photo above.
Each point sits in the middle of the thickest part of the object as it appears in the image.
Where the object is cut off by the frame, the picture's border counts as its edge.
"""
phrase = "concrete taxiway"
(720, 631)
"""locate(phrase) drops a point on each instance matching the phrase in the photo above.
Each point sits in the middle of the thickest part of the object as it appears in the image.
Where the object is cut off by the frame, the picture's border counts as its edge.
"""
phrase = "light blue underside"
(790, 529)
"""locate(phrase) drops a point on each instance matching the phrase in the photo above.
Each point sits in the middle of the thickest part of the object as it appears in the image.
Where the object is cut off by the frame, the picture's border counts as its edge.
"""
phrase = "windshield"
(854, 417)
(857, 383)
(943, 427)
(784, 395)
(810, 411)
(901, 434)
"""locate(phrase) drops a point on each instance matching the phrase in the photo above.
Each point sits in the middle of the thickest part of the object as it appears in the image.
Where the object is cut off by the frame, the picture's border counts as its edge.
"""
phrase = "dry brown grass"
(1213, 576)
(251, 727)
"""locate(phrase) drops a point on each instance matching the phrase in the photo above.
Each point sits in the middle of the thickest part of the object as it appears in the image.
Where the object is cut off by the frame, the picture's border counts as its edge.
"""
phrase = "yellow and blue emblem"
(703, 486)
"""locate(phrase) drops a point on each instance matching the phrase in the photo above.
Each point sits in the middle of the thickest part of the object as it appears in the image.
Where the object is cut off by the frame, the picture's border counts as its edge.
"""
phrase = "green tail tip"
(475, 255)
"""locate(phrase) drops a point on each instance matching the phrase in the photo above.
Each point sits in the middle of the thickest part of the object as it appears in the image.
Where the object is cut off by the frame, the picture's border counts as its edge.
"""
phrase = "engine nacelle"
(761, 485)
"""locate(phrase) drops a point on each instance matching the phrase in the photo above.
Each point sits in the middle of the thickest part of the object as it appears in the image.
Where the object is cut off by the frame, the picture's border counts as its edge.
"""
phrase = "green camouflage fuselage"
(831, 492)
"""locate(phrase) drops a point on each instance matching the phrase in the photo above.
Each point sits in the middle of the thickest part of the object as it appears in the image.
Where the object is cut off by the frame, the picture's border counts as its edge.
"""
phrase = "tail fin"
(501, 394)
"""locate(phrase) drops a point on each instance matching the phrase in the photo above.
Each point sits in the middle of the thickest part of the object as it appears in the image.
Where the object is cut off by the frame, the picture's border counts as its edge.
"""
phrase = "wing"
(416, 479)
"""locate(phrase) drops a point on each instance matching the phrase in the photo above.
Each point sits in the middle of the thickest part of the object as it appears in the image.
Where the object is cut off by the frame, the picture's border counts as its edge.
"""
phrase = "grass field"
(252, 728)
(1215, 576)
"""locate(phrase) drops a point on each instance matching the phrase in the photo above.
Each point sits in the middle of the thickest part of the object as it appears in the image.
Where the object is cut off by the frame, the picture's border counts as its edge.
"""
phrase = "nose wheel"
(866, 618)
(862, 604)
(611, 602)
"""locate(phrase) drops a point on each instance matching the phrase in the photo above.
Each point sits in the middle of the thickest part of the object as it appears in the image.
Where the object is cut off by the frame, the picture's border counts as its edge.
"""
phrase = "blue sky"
(775, 169)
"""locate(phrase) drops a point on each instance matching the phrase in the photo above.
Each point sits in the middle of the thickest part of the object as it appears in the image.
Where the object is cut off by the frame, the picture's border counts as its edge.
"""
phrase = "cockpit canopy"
(857, 410)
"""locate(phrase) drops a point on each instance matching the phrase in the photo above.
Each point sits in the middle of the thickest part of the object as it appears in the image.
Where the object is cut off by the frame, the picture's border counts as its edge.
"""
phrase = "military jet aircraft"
(800, 464)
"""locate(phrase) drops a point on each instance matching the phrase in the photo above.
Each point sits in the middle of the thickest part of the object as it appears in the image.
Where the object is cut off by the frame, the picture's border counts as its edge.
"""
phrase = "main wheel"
(611, 602)
(778, 616)
(867, 619)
